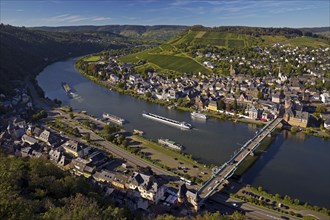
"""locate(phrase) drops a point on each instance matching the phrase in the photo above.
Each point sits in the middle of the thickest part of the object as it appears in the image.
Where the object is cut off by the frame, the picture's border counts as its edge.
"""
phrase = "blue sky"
(263, 13)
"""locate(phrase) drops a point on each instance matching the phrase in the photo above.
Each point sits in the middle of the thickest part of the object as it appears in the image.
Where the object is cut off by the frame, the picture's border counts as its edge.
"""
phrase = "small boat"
(198, 115)
(170, 144)
(114, 118)
(68, 90)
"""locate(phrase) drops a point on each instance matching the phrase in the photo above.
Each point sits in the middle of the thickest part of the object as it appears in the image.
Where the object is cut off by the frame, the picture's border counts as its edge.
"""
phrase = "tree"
(148, 94)
(321, 109)
(124, 143)
(277, 196)
(237, 216)
(87, 137)
(221, 104)
(76, 132)
(294, 129)
(121, 85)
(287, 199)
(235, 106)
(109, 129)
(228, 107)
(71, 115)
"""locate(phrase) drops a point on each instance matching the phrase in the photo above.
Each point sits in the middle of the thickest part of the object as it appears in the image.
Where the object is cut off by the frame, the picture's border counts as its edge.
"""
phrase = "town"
(286, 81)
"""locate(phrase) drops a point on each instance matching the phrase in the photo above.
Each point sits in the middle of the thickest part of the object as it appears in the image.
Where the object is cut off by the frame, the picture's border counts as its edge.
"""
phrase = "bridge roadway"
(220, 177)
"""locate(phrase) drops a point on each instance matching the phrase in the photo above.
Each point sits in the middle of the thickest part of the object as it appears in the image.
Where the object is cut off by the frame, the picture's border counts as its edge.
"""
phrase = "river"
(293, 164)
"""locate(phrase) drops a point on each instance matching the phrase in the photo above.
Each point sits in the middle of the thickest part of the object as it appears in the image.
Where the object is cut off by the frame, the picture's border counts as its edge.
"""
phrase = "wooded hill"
(37, 189)
(26, 52)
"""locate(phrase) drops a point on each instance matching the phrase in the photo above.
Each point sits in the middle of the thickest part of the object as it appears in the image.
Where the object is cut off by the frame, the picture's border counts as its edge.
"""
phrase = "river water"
(293, 164)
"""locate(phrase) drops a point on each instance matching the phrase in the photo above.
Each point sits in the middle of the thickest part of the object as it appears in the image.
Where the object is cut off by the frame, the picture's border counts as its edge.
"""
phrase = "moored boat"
(183, 125)
(198, 115)
(113, 118)
(170, 144)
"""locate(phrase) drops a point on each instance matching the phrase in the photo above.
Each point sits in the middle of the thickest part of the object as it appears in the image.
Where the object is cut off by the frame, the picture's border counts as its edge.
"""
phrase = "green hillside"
(176, 54)
(239, 40)
(220, 39)
(165, 60)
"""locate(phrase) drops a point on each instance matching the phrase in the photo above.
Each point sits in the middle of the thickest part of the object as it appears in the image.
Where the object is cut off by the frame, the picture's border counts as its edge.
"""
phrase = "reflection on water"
(294, 164)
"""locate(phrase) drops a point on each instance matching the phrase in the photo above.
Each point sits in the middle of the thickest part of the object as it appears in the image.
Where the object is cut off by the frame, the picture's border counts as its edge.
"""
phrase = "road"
(114, 149)
(251, 211)
(37, 101)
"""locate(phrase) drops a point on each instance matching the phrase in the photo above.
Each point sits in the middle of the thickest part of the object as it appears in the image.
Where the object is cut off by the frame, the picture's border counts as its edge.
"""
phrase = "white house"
(148, 187)
(325, 98)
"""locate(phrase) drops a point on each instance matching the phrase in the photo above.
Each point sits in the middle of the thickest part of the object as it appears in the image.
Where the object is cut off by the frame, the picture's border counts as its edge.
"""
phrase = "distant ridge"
(162, 32)
(25, 52)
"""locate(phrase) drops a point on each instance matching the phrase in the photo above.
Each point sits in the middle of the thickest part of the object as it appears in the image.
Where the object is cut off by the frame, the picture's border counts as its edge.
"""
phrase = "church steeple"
(232, 71)
(279, 73)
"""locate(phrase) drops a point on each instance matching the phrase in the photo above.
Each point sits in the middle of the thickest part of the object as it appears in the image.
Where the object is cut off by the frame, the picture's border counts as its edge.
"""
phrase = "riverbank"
(281, 203)
(168, 104)
(242, 168)
(176, 162)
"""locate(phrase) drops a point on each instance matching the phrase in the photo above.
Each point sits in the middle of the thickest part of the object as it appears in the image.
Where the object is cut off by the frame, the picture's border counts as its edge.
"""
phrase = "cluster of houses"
(135, 188)
(20, 103)
(263, 98)
(313, 61)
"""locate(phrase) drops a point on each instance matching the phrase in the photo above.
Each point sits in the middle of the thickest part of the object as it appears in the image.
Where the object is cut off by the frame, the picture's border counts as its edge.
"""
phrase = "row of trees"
(65, 128)
(36, 189)
(290, 201)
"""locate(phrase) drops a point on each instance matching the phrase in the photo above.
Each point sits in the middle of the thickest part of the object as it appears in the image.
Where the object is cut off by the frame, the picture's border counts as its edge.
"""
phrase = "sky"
(210, 13)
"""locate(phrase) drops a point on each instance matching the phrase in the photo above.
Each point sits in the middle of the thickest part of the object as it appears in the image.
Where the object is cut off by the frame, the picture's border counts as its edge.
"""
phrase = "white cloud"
(101, 19)
(74, 18)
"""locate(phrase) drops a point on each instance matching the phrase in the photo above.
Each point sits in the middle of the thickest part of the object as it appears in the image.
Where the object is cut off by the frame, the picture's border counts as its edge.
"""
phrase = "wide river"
(295, 165)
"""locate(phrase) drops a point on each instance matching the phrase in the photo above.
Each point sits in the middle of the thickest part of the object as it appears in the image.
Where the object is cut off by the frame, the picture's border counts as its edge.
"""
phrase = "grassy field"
(92, 59)
(167, 62)
(167, 47)
(235, 43)
(172, 159)
(200, 34)
(217, 42)
(147, 66)
(308, 42)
